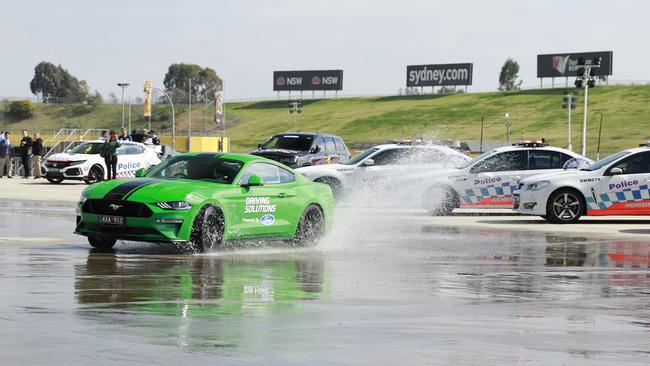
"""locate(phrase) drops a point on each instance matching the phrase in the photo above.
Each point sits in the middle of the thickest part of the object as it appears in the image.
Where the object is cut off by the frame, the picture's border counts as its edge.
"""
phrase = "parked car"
(304, 149)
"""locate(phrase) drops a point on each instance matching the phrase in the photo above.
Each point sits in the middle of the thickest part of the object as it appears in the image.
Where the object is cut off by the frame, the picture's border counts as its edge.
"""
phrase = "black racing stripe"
(121, 192)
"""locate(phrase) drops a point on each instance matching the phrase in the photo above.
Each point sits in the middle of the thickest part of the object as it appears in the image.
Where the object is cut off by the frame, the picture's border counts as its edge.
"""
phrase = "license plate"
(111, 220)
(54, 170)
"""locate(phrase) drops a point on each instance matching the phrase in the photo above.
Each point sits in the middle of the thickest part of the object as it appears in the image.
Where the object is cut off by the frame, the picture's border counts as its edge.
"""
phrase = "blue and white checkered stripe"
(475, 195)
(605, 200)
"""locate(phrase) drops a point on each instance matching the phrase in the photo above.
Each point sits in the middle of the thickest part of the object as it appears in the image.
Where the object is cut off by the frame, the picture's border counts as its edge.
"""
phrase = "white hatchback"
(83, 162)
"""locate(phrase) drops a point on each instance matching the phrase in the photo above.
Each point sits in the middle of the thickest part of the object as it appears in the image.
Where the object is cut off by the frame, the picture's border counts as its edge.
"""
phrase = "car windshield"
(289, 142)
(355, 160)
(606, 161)
(478, 158)
(87, 148)
(197, 167)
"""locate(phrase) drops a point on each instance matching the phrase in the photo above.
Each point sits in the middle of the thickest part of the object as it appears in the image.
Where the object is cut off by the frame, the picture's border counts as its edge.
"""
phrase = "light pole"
(123, 86)
(173, 113)
(508, 124)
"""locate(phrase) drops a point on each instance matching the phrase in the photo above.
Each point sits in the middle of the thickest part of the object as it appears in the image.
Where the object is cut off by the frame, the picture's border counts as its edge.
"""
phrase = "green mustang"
(206, 199)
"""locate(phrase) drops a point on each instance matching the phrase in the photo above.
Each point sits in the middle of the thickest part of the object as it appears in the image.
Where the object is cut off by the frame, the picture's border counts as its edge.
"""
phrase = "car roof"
(245, 158)
(425, 146)
(548, 148)
(306, 134)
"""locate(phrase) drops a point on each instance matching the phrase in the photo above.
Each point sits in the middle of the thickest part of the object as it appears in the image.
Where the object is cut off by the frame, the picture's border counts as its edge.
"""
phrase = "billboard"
(308, 80)
(439, 75)
(566, 64)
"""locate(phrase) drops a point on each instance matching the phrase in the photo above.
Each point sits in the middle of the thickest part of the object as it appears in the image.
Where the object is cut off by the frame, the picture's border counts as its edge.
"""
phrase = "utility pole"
(189, 102)
(297, 108)
(129, 130)
(600, 130)
(508, 125)
(123, 86)
(481, 145)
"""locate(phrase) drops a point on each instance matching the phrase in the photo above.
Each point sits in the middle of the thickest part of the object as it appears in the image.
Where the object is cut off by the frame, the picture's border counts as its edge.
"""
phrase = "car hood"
(318, 168)
(152, 190)
(278, 152)
(70, 157)
(563, 174)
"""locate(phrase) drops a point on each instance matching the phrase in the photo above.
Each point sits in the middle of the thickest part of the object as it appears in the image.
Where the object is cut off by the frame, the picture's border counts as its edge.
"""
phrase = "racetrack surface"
(385, 287)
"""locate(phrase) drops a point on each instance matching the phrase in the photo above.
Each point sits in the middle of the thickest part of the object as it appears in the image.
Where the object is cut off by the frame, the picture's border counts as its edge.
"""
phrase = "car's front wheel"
(208, 229)
(101, 243)
(439, 201)
(96, 174)
(565, 206)
(311, 227)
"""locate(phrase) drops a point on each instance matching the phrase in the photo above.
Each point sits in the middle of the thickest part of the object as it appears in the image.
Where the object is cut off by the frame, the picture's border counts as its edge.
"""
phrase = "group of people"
(31, 153)
(147, 138)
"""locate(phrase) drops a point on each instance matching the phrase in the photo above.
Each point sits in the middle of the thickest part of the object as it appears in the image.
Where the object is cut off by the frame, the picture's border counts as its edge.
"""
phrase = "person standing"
(110, 154)
(6, 154)
(25, 150)
(154, 138)
(124, 136)
(37, 154)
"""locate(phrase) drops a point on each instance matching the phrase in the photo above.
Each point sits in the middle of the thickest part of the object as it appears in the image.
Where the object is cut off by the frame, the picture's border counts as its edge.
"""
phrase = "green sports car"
(207, 200)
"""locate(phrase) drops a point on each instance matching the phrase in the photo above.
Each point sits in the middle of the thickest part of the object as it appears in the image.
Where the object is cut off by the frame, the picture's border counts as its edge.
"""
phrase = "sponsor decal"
(267, 220)
(259, 204)
(457, 178)
(315, 80)
(485, 181)
(491, 201)
(280, 81)
(589, 180)
(623, 184)
(249, 221)
(294, 81)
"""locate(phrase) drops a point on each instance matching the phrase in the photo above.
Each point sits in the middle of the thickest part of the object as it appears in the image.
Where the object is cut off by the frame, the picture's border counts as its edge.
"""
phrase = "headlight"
(82, 199)
(174, 205)
(538, 185)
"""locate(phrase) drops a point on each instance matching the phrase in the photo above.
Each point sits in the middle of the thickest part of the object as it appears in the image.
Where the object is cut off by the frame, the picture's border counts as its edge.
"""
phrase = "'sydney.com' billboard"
(439, 75)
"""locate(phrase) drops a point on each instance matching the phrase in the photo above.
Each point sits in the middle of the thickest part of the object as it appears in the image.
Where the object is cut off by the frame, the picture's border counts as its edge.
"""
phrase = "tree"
(509, 74)
(112, 98)
(94, 100)
(56, 85)
(21, 109)
(205, 82)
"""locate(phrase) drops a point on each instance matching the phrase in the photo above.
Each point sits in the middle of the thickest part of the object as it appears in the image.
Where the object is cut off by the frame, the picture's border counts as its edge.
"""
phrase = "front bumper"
(529, 202)
(163, 226)
(73, 172)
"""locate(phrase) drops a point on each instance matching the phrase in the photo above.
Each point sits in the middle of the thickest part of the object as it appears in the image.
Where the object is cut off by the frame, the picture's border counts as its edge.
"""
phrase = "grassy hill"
(533, 113)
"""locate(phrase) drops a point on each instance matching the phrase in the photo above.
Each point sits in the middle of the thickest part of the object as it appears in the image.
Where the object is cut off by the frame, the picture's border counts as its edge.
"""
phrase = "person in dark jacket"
(6, 154)
(37, 153)
(154, 138)
(25, 152)
(110, 147)
(124, 136)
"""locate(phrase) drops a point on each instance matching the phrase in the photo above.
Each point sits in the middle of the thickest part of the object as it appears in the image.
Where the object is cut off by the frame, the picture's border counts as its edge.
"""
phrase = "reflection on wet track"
(375, 292)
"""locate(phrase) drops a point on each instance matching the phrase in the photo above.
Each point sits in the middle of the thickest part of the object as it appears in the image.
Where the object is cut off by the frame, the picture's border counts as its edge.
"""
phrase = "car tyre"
(54, 180)
(208, 229)
(96, 174)
(311, 227)
(101, 243)
(565, 206)
(440, 201)
(335, 185)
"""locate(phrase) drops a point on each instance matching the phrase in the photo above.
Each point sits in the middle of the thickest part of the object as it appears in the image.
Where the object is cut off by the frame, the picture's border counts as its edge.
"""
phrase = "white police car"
(83, 162)
(488, 180)
(616, 185)
(382, 164)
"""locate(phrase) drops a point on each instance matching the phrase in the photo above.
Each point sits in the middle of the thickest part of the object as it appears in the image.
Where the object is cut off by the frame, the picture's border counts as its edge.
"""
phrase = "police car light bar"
(530, 143)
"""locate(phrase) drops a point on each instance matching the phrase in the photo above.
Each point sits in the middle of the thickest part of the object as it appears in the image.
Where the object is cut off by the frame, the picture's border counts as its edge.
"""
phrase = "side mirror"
(259, 146)
(253, 181)
(616, 171)
(368, 162)
(140, 172)
(315, 149)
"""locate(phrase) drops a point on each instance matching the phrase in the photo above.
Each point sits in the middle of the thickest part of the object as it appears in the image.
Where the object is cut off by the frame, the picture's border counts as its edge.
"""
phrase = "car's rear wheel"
(96, 174)
(440, 201)
(565, 206)
(53, 180)
(311, 227)
(101, 243)
(335, 185)
(208, 229)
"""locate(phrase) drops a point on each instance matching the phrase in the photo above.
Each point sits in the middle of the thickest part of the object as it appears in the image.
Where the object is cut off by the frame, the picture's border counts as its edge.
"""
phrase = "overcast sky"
(372, 41)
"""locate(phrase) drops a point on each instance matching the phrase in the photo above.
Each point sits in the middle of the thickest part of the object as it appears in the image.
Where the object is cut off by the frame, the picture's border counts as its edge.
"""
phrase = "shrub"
(21, 109)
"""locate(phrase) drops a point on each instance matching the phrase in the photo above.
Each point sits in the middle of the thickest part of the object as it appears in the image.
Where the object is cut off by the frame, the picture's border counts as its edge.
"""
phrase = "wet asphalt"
(377, 291)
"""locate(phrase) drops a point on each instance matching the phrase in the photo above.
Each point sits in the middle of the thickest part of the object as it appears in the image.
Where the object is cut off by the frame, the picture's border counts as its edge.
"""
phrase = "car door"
(129, 159)
(265, 210)
(490, 182)
(370, 177)
(545, 161)
(626, 193)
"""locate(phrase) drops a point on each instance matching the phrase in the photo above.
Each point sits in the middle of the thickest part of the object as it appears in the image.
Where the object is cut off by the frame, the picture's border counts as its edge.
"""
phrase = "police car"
(382, 164)
(488, 180)
(83, 162)
(616, 185)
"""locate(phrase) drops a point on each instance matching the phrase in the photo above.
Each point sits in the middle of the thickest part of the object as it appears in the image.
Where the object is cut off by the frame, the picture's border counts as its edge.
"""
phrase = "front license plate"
(111, 220)
(54, 170)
